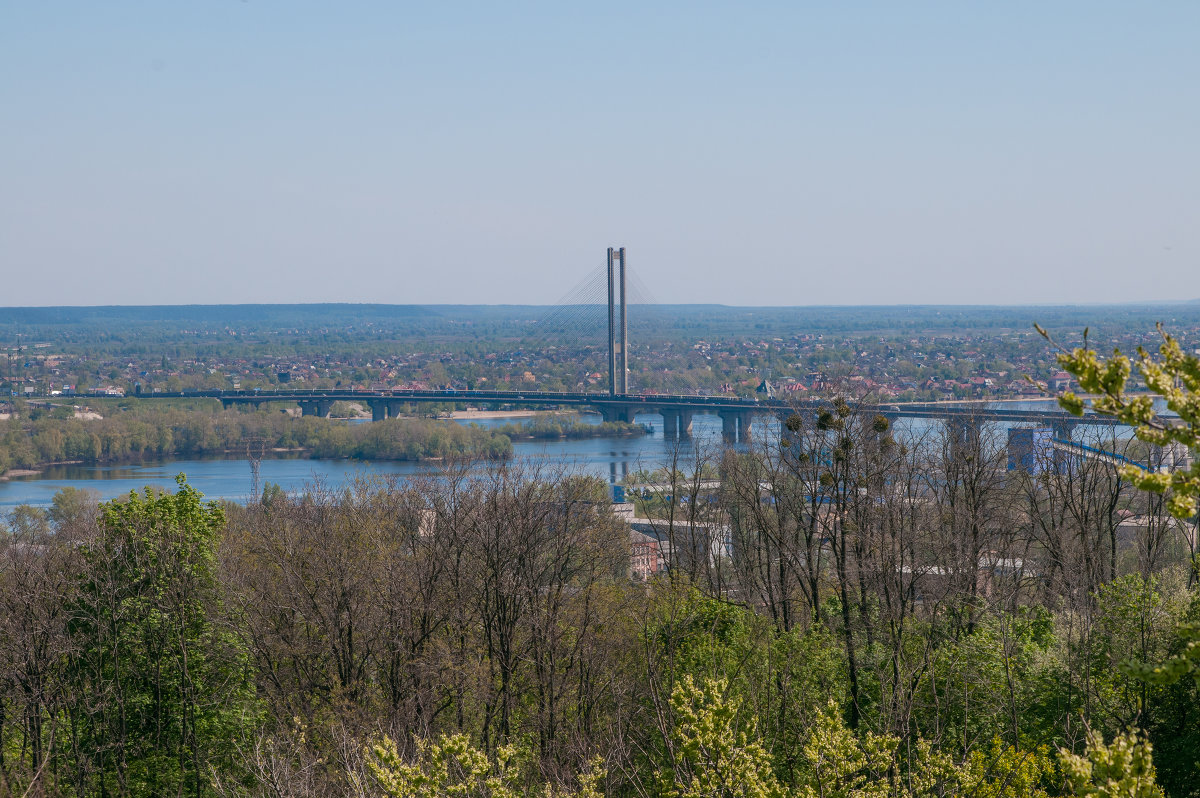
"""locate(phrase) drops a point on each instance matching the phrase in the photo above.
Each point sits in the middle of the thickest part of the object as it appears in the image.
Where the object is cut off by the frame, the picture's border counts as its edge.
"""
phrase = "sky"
(796, 153)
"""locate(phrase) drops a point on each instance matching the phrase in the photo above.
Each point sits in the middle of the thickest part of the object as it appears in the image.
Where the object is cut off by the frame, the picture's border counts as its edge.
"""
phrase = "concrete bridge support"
(613, 413)
(394, 408)
(670, 423)
(1175, 456)
(964, 436)
(379, 410)
(685, 423)
(1063, 430)
(729, 425)
(315, 407)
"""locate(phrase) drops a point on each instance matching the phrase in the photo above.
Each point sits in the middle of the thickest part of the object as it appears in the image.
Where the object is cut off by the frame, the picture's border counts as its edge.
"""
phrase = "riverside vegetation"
(854, 613)
(162, 432)
(477, 633)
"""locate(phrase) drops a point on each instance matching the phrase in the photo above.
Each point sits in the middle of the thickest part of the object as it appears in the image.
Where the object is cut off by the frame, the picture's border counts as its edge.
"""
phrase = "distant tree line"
(161, 432)
(569, 427)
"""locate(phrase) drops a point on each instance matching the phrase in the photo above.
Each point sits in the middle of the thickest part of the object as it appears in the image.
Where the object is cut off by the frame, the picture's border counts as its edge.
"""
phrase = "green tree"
(714, 758)
(451, 766)
(1173, 376)
(162, 687)
(72, 507)
(1120, 769)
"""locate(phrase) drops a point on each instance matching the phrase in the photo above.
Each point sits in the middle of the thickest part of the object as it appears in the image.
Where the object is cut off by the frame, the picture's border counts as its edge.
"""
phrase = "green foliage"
(146, 432)
(1174, 376)
(569, 427)
(1123, 768)
(1184, 662)
(1139, 616)
(272, 493)
(71, 506)
(703, 636)
(163, 685)
(1006, 772)
(844, 765)
(714, 758)
(451, 767)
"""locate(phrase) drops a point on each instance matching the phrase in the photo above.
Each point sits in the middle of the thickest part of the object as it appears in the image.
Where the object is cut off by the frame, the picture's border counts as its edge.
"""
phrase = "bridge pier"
(1063, 430)
(379, 410)
(315, 407)
(729, 425)
(394, 408)
(613, 413)
(964, 435)
(670, 423)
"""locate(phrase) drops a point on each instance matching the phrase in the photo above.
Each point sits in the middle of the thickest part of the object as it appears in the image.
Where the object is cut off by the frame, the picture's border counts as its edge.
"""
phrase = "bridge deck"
(634, 402)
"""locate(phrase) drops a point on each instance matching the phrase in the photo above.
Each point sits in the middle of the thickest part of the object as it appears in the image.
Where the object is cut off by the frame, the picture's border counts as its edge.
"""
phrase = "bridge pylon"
(618, 327)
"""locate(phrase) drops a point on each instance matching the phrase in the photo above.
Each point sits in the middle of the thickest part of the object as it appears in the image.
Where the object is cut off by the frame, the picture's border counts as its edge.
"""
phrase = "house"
(646, 556)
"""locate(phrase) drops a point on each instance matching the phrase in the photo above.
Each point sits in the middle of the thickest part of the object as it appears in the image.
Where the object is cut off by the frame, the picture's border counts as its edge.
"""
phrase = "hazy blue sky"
(748, 153)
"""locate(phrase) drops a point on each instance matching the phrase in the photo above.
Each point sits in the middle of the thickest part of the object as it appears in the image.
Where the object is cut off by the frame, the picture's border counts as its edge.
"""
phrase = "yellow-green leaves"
(1005, 772)
(453, 768)
(846, 766)
(1121, 769)
(716, 759)
(1175, 377)
(1071, 403)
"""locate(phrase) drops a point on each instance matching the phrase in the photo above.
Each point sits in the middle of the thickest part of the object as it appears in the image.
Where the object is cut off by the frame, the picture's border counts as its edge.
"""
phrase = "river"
(609, 458)
(217, 478)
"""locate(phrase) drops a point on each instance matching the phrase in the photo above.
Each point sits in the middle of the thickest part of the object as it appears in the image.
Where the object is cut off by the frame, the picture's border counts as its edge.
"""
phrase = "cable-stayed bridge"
(601, 303)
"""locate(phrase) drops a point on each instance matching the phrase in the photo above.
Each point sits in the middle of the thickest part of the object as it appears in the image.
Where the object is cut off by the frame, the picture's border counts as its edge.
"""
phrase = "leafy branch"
(1172, 375)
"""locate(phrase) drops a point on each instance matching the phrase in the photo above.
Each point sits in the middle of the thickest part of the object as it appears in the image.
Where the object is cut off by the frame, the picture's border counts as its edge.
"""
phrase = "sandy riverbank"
(19, 472)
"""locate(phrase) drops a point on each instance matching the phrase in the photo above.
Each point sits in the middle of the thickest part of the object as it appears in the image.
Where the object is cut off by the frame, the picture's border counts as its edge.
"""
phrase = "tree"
(714, 757)
(1120, 769)
(451, 766)
(73, 507)
(161, 687)
(37, 576)
(1173, 376)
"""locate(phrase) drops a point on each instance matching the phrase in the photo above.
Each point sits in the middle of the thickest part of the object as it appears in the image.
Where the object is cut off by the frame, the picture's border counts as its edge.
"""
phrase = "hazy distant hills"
(681, 321)
(230, 314)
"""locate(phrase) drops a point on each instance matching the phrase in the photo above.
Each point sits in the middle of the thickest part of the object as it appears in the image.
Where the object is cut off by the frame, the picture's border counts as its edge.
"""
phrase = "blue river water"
(218, 478)
(609, 458)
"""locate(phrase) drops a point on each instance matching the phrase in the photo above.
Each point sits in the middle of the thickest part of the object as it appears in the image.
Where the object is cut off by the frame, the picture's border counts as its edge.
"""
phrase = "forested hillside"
(854, 613)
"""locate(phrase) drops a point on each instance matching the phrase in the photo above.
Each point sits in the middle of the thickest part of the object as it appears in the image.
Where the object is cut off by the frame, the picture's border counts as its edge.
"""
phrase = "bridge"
(677, 410)
(620, 404)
